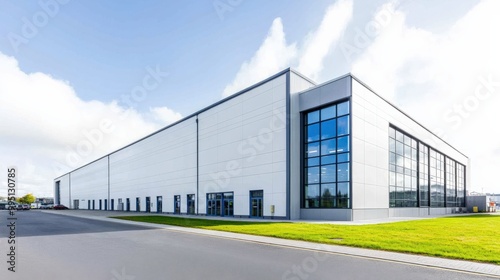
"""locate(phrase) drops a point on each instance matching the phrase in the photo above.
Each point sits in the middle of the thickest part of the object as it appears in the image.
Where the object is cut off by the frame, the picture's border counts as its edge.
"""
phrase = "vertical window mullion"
(320, 204)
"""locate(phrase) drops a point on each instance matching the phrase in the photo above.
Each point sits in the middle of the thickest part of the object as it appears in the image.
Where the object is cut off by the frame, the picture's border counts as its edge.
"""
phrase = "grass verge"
(475, 238)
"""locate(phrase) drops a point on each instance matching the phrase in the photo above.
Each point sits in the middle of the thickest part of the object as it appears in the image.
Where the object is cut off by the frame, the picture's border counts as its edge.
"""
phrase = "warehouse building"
(284, 148)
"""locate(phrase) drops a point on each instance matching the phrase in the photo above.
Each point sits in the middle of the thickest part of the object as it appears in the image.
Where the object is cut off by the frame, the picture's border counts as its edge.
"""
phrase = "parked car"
(26, 206)
(60, 207)
(19, 207)
(4, 205)
(46, 206)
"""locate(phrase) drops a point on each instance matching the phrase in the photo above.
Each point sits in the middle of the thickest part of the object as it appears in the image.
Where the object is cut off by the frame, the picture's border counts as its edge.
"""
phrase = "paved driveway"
(62, 247)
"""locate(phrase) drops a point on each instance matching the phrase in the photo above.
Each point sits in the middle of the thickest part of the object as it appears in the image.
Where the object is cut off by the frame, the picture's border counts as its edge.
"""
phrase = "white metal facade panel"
(163, 164)
(242, 146)
(90, 183)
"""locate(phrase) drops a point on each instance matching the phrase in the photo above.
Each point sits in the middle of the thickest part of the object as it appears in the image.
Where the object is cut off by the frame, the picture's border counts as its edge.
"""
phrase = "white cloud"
(320, 42)
(275, 54)
(396, 48)
(46, 129)
(434, 77)
(164, 115)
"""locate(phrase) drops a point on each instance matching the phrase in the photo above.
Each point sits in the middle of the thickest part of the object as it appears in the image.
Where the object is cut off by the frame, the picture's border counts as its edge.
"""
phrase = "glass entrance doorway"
(177, 204)
(256, 202)
(148, 204)
(159, 204)
(190, 204)
(220, 204)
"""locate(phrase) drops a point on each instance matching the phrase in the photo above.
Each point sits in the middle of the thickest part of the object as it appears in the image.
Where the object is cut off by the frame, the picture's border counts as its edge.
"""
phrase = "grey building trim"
(109, 183)
(324, 83)
(326, 93)
(288, 143)
(69, 187)
(351, 160)
(197, 166)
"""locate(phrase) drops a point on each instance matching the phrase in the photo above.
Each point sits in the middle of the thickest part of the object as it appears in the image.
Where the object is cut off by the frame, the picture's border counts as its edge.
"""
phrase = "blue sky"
(103, 47)
(64, 78)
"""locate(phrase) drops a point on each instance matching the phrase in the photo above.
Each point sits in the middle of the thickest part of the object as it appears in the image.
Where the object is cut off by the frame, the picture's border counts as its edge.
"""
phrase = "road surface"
(50, 246)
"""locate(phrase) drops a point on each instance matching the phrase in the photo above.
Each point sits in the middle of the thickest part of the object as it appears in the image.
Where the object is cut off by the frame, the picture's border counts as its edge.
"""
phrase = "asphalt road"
(61, 247)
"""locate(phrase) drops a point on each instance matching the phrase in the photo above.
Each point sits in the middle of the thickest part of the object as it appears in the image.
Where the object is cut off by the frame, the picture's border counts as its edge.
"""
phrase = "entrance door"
(220, 204)
(190, 204)
(148, 204)
(58, 193)
(112, 204)
(159, 205)
(256, 201)
(177, 204)
(228, 204)
(211, 204)
(100, 204)
(88, 207)
(106, 204)
(128, 205)
(137, 204)
(76, 204)
(93, 204)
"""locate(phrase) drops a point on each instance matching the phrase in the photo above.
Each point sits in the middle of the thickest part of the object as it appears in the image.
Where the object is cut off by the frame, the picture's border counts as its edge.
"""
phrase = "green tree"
(27, 199)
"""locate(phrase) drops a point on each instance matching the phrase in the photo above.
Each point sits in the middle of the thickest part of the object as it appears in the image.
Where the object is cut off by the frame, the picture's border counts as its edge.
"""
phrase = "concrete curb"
(485, 269)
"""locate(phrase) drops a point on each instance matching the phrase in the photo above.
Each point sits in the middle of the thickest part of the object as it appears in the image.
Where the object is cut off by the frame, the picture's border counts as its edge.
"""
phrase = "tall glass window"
(402, 170)
(437, 179)
(451, 185)
(460, 185)
(423, 171)
(429, 179)
(327, 157)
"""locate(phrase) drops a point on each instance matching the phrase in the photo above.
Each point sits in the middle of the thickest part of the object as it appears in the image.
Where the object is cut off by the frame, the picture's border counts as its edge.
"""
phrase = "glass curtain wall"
(327, 157)
(437, 179)
(460, 185)
(423, 161)
(402, 170)
(451, 183)
(420, 176)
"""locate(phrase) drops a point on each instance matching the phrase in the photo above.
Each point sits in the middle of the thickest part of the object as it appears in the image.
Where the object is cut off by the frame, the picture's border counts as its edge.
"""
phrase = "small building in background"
(484, 203)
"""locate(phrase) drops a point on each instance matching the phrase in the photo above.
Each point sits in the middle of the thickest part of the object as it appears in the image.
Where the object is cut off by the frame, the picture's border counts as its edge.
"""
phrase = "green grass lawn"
(474, 237)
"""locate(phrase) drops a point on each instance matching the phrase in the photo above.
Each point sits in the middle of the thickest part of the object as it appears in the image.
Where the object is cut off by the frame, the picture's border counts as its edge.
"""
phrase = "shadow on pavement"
(36, 223)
